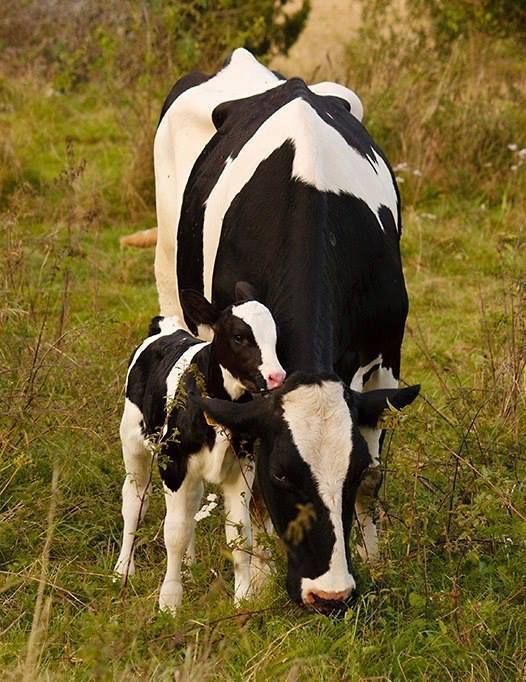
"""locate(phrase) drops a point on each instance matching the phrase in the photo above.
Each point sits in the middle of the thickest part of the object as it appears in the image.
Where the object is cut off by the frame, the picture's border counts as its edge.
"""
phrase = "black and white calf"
(159, 420)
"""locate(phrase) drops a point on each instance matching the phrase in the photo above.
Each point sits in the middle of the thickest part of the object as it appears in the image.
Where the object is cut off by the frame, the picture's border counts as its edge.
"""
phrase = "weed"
(447, 599)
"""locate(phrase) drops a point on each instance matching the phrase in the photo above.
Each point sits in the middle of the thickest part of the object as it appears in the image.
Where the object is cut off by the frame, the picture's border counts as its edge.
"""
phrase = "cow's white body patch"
(381, 377)
(321, 427)
(259, 319)
(322, 159)
(183, 133)
(357, 380)
(337, 90)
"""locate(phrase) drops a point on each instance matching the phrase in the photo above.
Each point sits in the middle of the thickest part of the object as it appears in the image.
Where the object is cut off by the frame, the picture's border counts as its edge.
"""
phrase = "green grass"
(446, 601)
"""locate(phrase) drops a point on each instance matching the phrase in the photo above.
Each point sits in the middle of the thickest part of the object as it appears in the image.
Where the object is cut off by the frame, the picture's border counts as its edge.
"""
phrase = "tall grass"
(446, 601)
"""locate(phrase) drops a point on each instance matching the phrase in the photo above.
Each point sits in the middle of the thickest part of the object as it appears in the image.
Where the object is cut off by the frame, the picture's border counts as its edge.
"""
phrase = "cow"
(159, 422)
(276, 182)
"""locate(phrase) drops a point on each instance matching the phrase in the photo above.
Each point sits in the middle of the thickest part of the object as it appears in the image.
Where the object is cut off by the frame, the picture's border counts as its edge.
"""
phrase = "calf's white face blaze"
(321, 428)
(259, 319)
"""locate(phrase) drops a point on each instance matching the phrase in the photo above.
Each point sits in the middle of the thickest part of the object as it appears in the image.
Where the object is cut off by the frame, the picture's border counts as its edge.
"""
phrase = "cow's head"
(244, 340)
(310, 462)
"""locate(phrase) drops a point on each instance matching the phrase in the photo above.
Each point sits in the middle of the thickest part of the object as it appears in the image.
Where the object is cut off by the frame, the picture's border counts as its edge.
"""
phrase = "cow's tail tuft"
(143, 239)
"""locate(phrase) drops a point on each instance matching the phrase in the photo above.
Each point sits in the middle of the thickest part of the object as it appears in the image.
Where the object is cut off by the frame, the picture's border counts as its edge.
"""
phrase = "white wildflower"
(403, 166)
(512, 147)
(205, 511)
(522, 153)
(212, 497)
(417, 172)
(201, 514)
(514, 167)
(399, 179)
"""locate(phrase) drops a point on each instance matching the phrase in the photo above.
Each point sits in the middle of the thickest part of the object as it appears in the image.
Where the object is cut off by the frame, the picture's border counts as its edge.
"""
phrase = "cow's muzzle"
(330, 603)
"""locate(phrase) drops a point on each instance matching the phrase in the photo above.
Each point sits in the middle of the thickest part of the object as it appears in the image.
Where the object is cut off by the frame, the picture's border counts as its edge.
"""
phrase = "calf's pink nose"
(275, 379)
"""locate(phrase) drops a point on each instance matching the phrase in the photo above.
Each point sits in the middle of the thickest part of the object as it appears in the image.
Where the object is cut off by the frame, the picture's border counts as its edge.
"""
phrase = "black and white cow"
(312, 453)
(160, 422)
(275, 182)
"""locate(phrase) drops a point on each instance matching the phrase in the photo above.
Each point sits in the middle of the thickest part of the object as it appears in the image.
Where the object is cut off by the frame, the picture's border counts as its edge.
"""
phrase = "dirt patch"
(320, 50)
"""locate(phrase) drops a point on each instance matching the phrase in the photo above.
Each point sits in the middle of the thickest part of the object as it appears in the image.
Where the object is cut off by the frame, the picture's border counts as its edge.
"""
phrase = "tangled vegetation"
(447, 599)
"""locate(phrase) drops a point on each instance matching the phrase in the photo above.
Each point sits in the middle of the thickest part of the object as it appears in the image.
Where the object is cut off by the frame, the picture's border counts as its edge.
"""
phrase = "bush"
(129, 42)
(495, 17)
(449, 119)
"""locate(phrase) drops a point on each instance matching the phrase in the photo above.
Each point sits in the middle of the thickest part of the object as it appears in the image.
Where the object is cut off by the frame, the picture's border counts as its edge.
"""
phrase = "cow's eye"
(281, 480)
(237, 338)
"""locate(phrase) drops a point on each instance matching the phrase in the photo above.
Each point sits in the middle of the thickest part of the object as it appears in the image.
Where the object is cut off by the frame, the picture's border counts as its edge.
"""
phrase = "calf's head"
(310, 462)
(244, 340)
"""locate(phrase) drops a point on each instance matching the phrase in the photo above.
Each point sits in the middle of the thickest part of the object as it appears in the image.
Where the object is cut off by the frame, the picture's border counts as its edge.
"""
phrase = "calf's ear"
(251, 418)
(371, 405)
(244, 291)
(197, 308)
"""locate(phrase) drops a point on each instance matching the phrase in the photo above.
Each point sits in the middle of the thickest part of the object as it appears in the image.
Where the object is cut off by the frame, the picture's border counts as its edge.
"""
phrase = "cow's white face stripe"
(260, 320)
(322, 159)
(321, 427)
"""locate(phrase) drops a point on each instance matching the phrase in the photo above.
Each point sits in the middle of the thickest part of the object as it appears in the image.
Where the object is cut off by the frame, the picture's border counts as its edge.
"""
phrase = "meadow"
(447, 599)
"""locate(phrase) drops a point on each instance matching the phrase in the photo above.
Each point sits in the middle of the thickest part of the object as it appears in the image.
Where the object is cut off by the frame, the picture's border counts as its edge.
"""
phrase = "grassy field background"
(447, 599)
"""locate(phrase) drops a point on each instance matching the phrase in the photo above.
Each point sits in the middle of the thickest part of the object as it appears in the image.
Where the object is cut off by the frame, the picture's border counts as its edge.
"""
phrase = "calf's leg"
(138, 462)
(179, 524)
(237, 490)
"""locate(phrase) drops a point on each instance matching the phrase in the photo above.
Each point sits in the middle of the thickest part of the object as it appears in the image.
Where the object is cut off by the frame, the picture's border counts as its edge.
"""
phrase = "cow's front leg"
(365, 507)
(138, 463)
(370, 377)
(179, 524)
(237, 490)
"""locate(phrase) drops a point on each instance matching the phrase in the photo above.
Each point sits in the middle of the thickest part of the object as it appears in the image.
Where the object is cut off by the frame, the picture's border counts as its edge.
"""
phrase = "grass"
(446, 602)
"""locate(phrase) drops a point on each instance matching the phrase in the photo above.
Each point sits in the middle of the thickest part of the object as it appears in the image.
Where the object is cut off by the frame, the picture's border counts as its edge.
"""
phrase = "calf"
(159, 422)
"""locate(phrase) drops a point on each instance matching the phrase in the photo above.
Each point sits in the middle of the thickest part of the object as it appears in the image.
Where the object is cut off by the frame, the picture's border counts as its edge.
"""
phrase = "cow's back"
(292, 194)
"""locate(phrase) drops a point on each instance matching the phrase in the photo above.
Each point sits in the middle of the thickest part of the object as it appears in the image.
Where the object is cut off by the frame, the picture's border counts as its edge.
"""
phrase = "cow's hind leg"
(237, 490)
(179, 524)
(138, 463)
(377, 373)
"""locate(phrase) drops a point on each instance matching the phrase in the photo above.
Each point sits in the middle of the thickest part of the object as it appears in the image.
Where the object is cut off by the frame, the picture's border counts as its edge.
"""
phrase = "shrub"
(129, 42)
(495, 17)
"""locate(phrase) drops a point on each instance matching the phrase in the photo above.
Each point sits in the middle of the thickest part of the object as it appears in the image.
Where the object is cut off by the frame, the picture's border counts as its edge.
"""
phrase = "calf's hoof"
(170, 596)
(124, 567)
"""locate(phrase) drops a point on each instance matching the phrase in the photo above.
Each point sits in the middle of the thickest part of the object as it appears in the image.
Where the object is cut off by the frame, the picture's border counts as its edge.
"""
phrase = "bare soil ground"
(320, 48)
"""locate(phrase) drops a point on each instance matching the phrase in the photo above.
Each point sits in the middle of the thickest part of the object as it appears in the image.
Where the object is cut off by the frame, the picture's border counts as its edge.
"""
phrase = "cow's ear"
(197, 309)
(244, 291)
(371, 405)
(252, 417)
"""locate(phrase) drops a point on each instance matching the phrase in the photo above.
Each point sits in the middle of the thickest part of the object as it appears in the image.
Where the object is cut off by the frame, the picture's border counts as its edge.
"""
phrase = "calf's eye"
(237, 338)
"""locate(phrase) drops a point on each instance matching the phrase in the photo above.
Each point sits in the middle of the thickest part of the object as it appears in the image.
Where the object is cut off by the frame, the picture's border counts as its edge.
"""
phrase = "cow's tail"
(143, 239)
